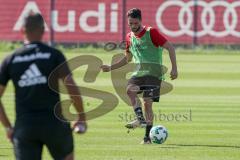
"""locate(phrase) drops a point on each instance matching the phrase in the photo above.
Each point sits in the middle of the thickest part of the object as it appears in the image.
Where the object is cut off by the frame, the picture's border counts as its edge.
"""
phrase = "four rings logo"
(230, 18)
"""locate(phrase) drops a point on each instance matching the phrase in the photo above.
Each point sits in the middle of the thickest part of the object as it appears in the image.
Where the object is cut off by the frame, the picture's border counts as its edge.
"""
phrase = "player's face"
(134, 24)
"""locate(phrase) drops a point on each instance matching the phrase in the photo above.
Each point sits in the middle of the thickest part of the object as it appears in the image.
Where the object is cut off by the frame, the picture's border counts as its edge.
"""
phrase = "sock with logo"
(147, 131)
(139, 114)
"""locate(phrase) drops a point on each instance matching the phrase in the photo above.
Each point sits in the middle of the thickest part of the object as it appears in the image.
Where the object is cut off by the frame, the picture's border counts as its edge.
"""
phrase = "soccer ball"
(158, 134)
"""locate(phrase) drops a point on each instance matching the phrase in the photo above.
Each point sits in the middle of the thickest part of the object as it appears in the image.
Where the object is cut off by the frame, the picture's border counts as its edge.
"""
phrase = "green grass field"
(208, 87)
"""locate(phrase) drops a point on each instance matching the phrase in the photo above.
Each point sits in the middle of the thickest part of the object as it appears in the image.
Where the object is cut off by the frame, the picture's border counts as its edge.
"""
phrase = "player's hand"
(174, 74)
(105, 68)
(9, 133)
(80, 127)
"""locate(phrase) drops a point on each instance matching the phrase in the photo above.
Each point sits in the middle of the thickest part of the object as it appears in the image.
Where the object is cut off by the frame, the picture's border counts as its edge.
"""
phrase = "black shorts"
(29, 141)
(149, 86)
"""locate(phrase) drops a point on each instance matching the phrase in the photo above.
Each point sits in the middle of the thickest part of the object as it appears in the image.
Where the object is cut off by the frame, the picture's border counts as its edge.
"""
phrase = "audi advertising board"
(206, 22)
(86, 91)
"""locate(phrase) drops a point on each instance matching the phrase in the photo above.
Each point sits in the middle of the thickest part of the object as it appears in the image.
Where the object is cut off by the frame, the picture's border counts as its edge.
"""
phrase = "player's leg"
(59, 141)
(151, 94)
(26, 144)
(149, 119)
(133, 89)
(148, 110)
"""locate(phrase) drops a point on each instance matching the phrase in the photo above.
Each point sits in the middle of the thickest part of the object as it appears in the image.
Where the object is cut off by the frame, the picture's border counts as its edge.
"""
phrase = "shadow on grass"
(170, 147)
(3, 155)
(203, 145)
(5, 148)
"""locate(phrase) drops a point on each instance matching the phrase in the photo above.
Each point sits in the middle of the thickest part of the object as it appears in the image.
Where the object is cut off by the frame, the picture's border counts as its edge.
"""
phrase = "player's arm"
(159, 40)
(64, 74)
(122, 62)
(4, 78)
(3, 116)
(128, 55)
(75, 96)
(172, 55)
(73, 90)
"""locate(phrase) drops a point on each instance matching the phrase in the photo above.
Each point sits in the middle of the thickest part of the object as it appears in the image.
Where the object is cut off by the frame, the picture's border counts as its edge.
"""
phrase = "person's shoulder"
(17, 51)
(26, 48)
(20, 50)
(7, 59)
(153, 29)
(52, 50)
(129, 34)
(155, 32)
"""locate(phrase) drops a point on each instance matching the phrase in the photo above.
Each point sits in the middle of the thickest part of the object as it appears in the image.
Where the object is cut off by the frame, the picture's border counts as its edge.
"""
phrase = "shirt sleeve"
(157, 38)
(4, 71)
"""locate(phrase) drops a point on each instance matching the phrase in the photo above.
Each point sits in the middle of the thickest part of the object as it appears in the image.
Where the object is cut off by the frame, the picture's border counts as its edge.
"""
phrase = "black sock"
(139, 113)
(148, 128)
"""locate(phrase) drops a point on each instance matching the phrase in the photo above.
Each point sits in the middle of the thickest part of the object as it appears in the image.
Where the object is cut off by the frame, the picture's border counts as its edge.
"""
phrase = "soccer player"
(36, 125)
(145, 45)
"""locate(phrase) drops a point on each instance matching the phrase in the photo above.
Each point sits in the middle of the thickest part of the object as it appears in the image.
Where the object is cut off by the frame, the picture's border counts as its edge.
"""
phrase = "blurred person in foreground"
(36, 124)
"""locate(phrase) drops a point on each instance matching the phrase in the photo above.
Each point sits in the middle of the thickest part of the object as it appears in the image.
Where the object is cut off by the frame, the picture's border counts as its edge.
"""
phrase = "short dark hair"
(34, 22)
(135, 13)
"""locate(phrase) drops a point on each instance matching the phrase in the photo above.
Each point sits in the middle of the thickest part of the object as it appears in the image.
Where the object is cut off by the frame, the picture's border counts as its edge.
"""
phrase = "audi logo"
(230, 18)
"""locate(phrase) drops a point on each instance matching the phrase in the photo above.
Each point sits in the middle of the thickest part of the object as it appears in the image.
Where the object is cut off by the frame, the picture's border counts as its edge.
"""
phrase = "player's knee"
(132, 90)
(129, 92)
(147, 102)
